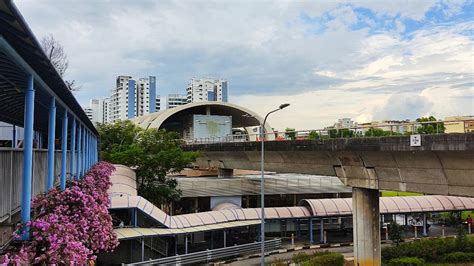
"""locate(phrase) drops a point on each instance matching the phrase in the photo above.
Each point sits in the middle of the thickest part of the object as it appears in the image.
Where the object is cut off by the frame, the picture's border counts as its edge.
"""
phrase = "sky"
(367, 60)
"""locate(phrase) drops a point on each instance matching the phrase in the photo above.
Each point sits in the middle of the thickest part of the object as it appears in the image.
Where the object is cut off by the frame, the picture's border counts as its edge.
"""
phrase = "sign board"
(415, 140)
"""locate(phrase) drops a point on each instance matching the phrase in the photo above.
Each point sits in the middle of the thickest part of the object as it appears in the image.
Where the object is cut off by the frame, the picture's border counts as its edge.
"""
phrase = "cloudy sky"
(368, 60)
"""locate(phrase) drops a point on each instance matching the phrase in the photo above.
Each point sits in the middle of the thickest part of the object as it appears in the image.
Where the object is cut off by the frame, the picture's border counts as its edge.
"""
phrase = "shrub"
(72, 225)
(300, 257)
(325, 259)
(459, 257)
(406, 261)
(427, 249)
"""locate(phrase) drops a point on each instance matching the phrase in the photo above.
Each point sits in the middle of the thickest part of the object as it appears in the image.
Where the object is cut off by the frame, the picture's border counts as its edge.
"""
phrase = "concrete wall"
(443, 164)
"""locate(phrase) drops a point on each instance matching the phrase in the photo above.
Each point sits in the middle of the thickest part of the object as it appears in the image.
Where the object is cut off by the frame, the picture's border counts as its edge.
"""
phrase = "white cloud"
(269, 53)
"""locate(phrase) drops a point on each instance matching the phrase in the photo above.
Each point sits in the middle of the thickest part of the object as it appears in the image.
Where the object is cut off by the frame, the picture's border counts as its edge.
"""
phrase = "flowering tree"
(72, 225)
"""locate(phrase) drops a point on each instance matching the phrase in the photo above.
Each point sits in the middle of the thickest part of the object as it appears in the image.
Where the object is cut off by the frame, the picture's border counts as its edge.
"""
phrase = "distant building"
(132, 98)
(345, 123)
(459, 124)
(175, 100)
(200, 90)
(106, 110)
(95, 111)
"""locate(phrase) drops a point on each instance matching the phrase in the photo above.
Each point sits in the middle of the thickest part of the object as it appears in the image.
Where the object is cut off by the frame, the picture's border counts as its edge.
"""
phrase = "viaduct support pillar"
(365, 206)
(225, 172)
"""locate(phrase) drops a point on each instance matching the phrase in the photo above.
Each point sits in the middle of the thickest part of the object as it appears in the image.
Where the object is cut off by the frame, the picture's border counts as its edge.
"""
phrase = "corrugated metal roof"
(130, 233)
(250, 185)
(407, 204)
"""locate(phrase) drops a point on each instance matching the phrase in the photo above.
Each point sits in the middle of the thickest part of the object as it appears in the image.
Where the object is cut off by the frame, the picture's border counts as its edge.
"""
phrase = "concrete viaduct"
(442, 164)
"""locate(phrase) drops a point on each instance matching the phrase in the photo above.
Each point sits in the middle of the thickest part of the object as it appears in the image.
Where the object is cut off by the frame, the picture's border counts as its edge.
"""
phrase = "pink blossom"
(72, 225)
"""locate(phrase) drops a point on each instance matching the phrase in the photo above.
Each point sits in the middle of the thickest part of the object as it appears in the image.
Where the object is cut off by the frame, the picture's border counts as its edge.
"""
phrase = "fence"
(322, 134)
(11, 169)
(213, 254)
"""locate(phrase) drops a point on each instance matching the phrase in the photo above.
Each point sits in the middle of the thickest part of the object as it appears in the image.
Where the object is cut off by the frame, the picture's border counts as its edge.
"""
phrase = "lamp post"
(262, 185)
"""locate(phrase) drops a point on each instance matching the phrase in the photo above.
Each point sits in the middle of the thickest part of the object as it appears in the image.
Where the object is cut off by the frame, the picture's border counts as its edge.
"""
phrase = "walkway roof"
(124, 196)
(20, 56)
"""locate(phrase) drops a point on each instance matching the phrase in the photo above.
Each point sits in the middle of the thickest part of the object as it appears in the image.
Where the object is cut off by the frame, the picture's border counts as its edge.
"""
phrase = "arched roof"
(241, 117)
(406, 204)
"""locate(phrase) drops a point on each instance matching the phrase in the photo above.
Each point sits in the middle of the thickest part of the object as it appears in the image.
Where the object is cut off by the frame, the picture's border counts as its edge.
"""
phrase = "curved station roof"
(123, 195)
(172, 119)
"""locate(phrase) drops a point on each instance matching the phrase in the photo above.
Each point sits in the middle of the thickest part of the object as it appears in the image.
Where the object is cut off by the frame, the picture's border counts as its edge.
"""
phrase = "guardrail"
(378, 130)
(213, 254)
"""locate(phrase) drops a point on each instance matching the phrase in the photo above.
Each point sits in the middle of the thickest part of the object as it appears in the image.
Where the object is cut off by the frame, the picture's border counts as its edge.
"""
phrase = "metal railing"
(323, 134)
(213, 254)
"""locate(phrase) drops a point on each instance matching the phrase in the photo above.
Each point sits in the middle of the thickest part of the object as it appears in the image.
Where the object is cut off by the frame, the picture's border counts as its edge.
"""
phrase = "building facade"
(175, 100)
(459, 124)
(132, 98)
(200, 90)
(95, 111)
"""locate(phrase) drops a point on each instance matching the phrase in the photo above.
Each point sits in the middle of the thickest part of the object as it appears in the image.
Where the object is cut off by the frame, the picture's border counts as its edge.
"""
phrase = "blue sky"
(368, 60)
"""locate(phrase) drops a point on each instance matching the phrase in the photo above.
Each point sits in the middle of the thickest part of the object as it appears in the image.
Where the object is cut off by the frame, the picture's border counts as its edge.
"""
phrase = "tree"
(58, 58)
(290, 133)
(152, 153)
(429, 128)
(313, 135)
(395, 232)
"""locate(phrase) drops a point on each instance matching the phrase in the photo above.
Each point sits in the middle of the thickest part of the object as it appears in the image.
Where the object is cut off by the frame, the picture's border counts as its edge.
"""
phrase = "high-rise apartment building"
(106, 110)
(132, 98)
(95, 111)
(200, 90)
(175, 100)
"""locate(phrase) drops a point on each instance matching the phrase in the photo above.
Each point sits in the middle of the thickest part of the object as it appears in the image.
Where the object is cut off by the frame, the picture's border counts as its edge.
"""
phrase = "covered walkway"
(34, 97)
(123, 195)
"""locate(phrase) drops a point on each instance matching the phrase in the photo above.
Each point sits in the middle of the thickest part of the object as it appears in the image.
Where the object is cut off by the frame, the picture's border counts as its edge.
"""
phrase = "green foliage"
(290, 133)
(459, 257)
(313, 135)
(406, 261)
(325, 259)
(152, 153)
(431, 250)
(300, 257)
(429, 128)
(378, 132)
(341, 133)
(462, 244)
(395, 232)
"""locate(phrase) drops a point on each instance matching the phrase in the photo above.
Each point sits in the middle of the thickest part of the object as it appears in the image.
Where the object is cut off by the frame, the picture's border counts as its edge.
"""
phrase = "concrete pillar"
(321, 231)
(225, 172)
(186, 244)
(365, 206)
(225, 238)
(208, 110)
(425, 233)
(176, 245)
(143, 249)
(310, 230)
(196, 205)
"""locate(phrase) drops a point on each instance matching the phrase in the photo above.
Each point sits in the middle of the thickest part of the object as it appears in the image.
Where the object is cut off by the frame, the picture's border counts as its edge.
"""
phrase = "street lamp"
(262, 185)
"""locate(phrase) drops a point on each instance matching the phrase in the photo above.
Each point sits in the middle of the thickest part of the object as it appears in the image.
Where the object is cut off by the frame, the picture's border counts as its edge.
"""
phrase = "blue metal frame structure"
(51, 143)
(64, 152)
(73, 148)
(31, 94)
